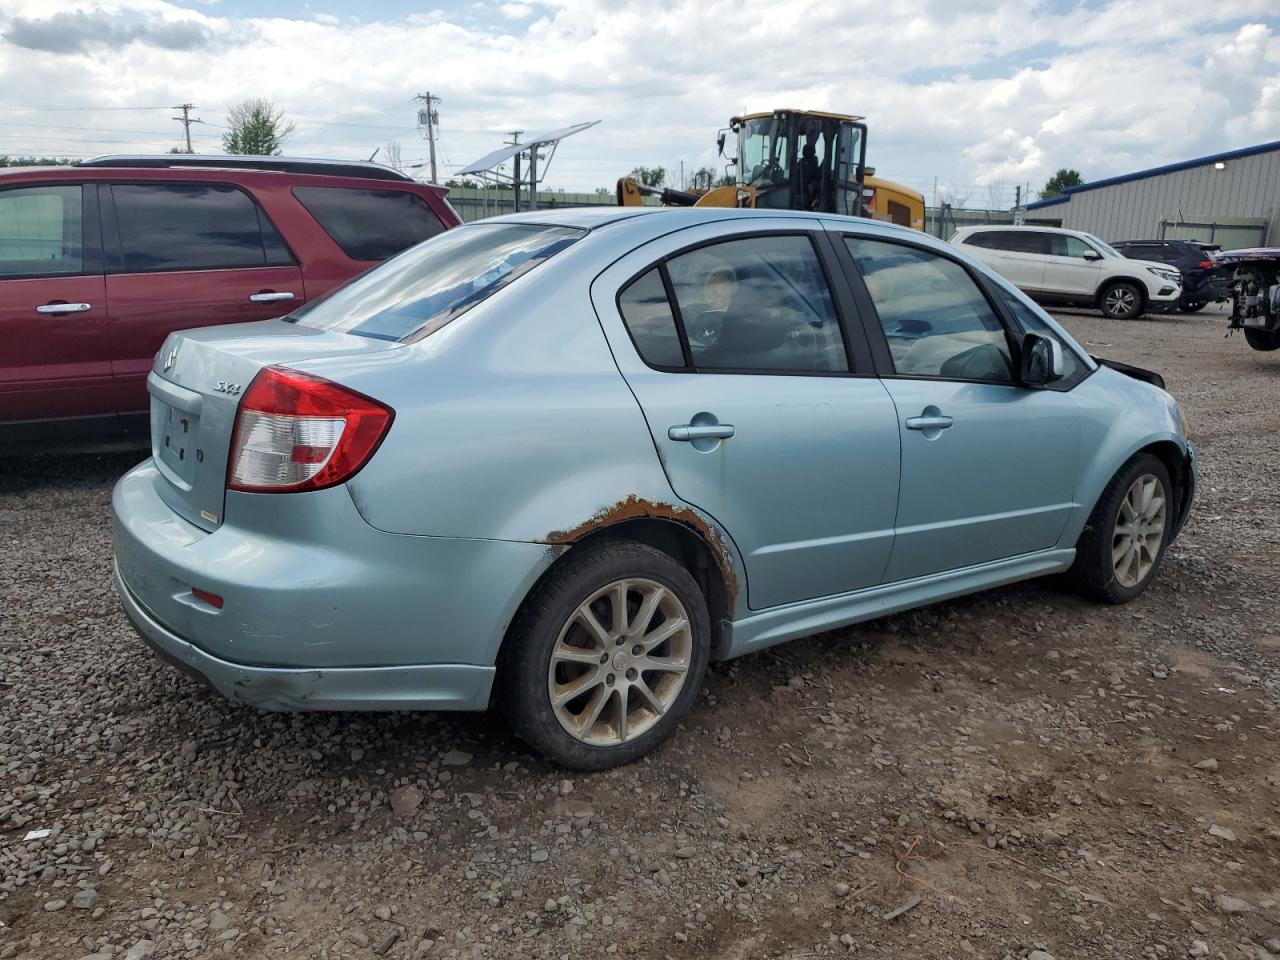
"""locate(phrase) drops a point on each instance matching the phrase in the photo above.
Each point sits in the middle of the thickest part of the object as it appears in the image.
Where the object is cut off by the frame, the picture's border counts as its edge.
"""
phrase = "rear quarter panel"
(512, 422)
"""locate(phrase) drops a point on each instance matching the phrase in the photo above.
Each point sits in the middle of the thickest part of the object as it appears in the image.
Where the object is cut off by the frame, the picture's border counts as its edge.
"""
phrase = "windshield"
(425, 287)
(765, 159)
(1103, 246)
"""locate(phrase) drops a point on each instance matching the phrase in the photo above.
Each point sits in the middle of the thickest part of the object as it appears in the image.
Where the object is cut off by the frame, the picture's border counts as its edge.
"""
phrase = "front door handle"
(57, 308)
(701, 431)
(936, 422)
(270, 296)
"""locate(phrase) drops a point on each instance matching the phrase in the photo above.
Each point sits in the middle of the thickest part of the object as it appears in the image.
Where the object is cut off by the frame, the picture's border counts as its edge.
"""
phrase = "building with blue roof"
(1231, 199)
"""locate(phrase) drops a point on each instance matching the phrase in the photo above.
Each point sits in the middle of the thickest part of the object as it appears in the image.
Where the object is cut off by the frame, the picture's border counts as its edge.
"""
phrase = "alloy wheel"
(1139, 530)
(620, 662)
(1119, 302)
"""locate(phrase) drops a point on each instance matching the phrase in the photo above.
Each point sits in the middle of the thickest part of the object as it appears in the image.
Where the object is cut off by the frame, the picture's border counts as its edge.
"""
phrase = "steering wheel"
(773, 170)
(706, 327)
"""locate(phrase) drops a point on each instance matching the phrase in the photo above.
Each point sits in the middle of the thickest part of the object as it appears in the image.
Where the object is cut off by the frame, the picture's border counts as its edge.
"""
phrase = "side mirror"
(1042, 360)
(1093, 256)
(720, 142)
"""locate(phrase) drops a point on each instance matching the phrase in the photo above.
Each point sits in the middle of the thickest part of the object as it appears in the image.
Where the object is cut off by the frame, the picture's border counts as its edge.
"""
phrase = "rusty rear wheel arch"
(707, 564)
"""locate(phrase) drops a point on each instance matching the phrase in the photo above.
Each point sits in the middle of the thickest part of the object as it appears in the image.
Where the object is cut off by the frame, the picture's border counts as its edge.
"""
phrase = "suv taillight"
(1205, 264)
(295, 432)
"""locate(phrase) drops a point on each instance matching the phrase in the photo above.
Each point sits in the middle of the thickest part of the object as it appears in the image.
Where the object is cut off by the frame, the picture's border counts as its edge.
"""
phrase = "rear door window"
(41, 231)
(192, 226)
(370, 224)
(647, 314)
(421, 290)
(758, 304)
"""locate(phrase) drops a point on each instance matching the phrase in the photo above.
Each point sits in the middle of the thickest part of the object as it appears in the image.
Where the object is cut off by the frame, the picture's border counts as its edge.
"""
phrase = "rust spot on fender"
(636, 508)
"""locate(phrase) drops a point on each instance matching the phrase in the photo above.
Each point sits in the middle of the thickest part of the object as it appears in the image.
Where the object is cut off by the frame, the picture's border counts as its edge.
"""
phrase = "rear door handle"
(701, 431)
(929, 423)
(268, 296)
(57, 308)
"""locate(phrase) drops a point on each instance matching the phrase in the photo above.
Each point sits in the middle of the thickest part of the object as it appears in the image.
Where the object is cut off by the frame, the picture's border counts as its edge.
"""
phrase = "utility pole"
(515, 176)
(186, 120)
(429, 118)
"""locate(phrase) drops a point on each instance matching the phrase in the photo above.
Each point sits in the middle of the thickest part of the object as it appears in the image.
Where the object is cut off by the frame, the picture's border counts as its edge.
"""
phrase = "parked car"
(1202, 281)
(560, 460)
(100, 262)
(1072, 267)
(1255, 294)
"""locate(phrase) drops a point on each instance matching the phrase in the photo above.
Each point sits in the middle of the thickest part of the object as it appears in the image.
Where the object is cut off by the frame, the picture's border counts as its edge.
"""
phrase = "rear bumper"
(441, 686)
(320, 610)
(1207, 289)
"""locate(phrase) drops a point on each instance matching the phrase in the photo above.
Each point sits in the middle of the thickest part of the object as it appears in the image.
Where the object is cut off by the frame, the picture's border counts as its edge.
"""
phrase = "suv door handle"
(938, 422)
(701, 431)
(62, 308)
(270, 296)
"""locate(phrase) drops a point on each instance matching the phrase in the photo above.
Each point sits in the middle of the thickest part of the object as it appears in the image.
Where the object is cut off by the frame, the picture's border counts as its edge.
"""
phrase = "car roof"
(590, 218)
(317, 165)
(228, 168)
(986, 227)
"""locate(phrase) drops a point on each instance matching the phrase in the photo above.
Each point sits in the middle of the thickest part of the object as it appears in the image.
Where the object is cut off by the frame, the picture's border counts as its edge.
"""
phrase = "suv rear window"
(418, 292)
(193, 226)
(370, 224)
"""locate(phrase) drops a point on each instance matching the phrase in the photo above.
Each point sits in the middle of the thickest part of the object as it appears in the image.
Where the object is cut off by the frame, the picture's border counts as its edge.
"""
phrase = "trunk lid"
(195, 385)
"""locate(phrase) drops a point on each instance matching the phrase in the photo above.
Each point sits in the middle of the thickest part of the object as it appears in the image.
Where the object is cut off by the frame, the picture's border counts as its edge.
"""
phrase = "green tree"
(33, 161)
(650, 176)
(462, 184)
(1064, 178)
(256, 128)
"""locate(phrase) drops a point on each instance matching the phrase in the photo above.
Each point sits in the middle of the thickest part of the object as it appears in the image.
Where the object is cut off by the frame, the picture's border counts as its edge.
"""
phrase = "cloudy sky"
(980, 94)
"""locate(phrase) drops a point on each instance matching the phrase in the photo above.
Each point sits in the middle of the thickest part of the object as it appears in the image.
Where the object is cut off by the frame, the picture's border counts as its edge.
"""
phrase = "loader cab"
(799, 160)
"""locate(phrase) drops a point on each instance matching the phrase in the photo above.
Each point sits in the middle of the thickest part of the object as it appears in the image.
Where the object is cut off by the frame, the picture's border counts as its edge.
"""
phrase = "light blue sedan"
(558, 461)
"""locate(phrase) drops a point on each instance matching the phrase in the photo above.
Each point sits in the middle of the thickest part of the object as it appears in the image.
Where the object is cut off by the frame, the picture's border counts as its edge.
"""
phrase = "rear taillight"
(1205, 264)
(296, 432)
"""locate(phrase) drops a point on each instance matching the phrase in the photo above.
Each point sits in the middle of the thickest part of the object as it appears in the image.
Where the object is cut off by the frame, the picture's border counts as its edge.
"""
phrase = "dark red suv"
(100, 262)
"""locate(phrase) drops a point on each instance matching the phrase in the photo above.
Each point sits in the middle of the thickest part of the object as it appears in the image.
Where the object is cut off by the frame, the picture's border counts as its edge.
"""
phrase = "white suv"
(1070, 266)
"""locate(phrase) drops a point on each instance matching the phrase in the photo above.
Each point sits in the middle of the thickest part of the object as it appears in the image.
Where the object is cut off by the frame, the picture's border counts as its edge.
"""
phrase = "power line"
(84, 109)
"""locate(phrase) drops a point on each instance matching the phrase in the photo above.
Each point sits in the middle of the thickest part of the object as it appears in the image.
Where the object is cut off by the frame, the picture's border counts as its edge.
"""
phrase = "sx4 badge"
(222, 386)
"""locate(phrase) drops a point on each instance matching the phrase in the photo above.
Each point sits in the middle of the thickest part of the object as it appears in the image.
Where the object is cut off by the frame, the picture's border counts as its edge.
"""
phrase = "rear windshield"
(424, 288)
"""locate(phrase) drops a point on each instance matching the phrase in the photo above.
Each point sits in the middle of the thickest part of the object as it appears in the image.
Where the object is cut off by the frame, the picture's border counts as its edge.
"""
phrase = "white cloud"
(983, 91)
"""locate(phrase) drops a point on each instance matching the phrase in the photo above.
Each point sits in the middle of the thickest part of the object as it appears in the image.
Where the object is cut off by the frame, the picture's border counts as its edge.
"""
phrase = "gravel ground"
(1031, 775)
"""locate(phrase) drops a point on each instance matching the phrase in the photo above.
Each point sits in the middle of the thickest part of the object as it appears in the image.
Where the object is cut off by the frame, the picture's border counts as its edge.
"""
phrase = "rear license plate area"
(177, 442)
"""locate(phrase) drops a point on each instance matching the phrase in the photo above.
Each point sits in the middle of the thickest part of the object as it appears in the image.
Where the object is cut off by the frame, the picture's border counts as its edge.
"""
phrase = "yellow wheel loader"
(796, 160)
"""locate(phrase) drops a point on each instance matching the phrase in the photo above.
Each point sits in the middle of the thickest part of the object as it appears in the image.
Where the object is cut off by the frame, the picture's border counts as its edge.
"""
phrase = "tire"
(1121, 300)
(1194, 306)
(1097, 570)
(1262, 339)
(584, 733)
